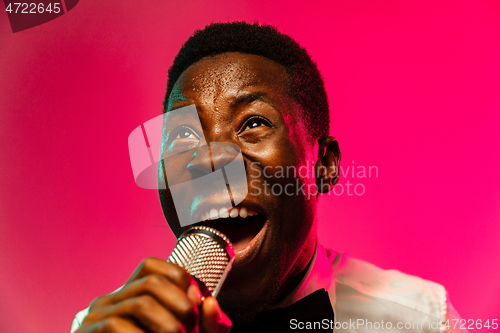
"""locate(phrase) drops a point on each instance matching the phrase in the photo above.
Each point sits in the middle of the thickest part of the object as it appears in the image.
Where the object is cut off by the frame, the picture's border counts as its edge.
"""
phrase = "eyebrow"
(248, 98)
(181, 103)
(244, 98)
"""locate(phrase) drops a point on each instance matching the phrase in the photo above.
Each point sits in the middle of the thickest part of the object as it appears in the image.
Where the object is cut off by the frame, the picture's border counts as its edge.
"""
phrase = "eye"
(185, 133)
(255, 122)
(182, 138)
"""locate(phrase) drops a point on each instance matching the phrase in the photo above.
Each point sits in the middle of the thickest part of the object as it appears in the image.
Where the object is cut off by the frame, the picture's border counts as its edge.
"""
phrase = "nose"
(211, 157)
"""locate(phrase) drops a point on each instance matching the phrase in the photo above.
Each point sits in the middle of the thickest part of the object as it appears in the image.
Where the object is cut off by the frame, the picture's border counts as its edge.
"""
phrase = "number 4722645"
(32, 8)
(471, 324)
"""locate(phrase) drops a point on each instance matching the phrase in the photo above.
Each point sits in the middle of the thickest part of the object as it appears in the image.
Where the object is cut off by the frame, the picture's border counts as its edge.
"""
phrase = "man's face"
(244, 99)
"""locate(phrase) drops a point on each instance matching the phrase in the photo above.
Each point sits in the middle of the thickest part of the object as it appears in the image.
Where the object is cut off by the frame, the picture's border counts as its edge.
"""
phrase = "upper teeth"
(214, 214)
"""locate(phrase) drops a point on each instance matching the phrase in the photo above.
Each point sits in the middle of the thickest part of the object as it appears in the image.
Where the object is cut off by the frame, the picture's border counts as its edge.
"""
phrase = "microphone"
(206, 254)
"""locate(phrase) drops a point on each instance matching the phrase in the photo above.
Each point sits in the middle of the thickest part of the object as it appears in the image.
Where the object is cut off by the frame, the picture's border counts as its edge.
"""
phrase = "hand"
(159, 297)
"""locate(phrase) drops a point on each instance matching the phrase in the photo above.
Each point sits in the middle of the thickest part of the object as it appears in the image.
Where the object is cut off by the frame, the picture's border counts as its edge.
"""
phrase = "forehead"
(226, 74)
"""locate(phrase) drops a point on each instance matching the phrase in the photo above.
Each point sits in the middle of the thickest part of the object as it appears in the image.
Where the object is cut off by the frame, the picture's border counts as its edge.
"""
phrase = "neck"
(294, 281)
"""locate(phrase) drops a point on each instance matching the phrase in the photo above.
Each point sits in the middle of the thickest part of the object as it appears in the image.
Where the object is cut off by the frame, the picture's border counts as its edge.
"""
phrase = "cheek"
(286, 179)
(299, 137)
(168, 207)
(300, 154)
(176, 169)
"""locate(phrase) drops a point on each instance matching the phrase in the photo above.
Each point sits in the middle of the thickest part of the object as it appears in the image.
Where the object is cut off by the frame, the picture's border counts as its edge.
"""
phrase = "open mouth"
(242, 225)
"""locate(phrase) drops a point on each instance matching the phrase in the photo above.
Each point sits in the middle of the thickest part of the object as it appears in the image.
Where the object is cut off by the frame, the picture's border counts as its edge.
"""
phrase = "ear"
(328, 164)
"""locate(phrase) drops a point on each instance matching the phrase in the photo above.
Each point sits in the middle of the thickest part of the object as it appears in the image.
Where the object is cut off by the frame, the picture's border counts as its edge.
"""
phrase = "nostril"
(195, 171)
(201, 162)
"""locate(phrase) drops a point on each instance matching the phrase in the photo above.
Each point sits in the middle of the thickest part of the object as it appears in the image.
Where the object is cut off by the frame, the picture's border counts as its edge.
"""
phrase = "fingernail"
(194, 294)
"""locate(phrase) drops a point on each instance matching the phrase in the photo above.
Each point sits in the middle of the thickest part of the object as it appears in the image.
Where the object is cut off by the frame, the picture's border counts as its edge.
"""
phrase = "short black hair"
(307, 86)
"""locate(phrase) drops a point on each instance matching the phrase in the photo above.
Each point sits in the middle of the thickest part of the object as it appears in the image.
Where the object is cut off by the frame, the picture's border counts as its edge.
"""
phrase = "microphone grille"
(205, 253)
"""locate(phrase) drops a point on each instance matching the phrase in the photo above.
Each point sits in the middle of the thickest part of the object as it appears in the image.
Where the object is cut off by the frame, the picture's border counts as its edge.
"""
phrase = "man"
(258, 89)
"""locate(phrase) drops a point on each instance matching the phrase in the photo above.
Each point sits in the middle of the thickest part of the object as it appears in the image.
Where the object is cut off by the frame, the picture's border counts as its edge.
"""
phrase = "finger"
(166, 293)
(111, 325)
(173, 272)
(154, 268)
(194, 294)
(145, 312)
(213, 320)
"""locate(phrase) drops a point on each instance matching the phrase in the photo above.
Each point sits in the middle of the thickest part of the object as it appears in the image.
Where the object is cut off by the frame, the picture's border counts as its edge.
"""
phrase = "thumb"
(213, 320)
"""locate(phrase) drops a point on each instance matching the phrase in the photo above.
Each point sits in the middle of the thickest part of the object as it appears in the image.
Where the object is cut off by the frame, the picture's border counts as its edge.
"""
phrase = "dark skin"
(245, 100)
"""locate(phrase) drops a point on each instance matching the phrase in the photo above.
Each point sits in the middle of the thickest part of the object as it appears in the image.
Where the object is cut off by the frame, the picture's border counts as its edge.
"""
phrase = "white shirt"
(366, 298)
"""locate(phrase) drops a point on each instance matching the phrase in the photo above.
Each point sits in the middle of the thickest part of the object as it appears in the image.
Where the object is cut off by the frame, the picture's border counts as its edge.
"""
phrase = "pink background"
(414, 88)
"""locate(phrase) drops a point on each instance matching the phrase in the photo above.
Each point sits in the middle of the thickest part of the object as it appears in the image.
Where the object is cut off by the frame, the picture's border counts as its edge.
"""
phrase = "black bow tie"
(314, 308)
